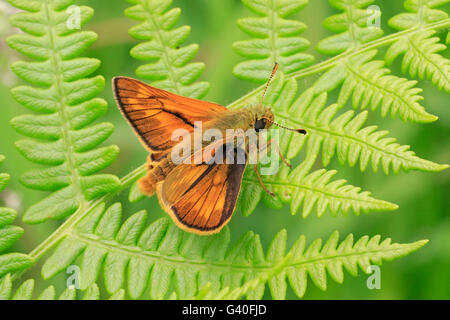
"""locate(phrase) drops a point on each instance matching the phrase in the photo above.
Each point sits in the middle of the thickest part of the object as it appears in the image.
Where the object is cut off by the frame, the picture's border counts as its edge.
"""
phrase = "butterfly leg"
(268, 147)
(255, 167)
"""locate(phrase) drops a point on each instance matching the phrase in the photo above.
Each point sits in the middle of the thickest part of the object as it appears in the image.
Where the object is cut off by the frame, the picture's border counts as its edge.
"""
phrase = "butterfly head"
(263, 118)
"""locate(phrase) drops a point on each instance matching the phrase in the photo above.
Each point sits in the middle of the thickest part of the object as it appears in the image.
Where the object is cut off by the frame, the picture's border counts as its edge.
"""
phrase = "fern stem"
(329, 63)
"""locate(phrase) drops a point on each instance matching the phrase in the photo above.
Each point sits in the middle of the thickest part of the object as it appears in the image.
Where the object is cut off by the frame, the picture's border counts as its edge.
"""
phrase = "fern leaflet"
(421, 50)
(352, 26)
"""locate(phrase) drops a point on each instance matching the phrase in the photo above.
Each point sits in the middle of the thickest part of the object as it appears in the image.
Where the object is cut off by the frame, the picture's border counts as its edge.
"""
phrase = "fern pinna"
(136, 259)
(65, 105)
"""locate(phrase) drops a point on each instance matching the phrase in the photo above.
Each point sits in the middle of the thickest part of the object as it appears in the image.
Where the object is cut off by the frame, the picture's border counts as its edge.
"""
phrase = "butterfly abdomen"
(157, 172)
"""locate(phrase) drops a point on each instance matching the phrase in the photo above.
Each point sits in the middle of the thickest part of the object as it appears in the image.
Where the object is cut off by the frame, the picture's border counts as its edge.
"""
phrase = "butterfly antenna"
(275, 68)
(302, 131)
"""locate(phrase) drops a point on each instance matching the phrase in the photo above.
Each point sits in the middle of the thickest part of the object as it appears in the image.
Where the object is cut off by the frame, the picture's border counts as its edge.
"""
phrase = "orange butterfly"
(199, 197)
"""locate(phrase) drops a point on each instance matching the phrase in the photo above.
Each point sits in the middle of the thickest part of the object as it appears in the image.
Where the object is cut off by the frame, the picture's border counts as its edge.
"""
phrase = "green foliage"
(65, 104)
(227, 293)
(276, 39)
(369, 84)
(421, 50)
(26, 292)
(138, 257)
(9, 234)
(352, 25)
(344, 136)
(169, 64)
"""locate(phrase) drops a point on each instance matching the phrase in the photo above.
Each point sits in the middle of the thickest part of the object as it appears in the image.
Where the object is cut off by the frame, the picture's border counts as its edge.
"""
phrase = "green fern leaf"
(370, 84)
(343, 136)
(67, 101)
(155, 257)
(169, 64)
(276, 39)
(9, 234)
(352, 26)
(421, 50)
(26, 291)
(310, 190)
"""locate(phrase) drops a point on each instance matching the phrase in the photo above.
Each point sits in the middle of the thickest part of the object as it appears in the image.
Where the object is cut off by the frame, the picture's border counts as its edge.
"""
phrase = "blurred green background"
(423, 197)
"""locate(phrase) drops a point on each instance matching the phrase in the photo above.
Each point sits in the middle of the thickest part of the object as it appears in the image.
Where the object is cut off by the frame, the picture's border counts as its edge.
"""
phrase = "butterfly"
(200, 197)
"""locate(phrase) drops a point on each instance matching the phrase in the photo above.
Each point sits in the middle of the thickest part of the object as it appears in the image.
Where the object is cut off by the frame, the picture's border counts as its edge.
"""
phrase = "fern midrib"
(331, 133)
(176, 261)
(163, 43)
(55, 58)
(396, 95)
(329, 63)
(286, 184)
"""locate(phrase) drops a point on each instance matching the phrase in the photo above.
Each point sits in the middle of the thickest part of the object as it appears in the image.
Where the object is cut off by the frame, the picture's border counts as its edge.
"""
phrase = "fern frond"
(309, 190)
(9, 234)
(421, 50)
(26, 291)
(170, 65)
(352, 26)
(343, 136)
(156, 257)
(275, 39)
(66, 104)
(371, 85)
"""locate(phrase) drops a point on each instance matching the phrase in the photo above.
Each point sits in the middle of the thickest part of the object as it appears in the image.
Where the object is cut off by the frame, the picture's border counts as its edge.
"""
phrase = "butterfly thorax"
(257, 118)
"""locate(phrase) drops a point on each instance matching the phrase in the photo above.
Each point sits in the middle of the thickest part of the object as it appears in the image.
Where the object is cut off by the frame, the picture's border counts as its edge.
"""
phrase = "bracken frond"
(156, 257)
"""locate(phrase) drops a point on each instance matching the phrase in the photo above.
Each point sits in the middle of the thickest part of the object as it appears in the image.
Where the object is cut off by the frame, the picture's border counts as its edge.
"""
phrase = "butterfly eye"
(260, 124)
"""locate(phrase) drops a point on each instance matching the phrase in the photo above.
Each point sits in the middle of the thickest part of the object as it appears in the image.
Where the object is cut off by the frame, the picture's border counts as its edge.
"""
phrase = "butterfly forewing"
(155, 114)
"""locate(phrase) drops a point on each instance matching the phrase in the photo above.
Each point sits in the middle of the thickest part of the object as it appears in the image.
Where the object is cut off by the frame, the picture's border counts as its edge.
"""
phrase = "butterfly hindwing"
(201, 197)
